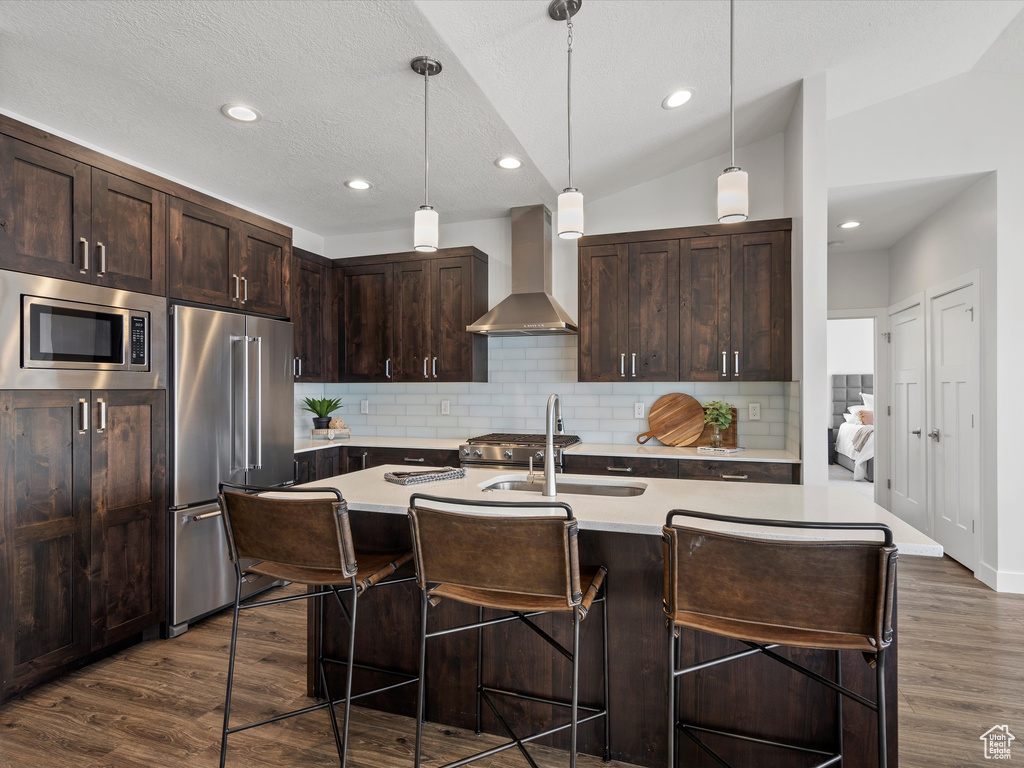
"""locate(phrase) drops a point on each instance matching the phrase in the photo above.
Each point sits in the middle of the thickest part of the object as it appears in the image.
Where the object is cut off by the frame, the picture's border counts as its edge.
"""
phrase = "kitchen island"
(624, 534)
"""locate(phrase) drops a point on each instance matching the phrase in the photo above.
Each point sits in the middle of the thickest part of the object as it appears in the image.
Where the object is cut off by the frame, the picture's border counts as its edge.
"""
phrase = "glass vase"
(716, 436)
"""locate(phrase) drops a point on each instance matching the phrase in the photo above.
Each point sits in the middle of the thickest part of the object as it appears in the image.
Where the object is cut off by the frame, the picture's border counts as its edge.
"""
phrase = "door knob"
(916, 431)
(934, 435)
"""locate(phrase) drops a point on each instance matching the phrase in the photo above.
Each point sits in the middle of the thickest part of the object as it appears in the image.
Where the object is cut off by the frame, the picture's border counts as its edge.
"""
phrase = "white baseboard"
(1011, 582)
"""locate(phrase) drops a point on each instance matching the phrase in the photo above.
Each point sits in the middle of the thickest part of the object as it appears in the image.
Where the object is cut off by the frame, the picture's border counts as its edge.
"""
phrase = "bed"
(854, 443)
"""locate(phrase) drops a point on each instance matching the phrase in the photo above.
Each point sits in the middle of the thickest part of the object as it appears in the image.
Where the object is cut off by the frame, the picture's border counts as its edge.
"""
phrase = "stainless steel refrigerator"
(232, 395)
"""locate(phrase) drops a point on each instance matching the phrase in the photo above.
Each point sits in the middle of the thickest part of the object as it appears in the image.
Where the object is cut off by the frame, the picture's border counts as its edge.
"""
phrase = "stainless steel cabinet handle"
(236, 286)
(387, 368)
(83, 247)
(416, 461)
(935, 435)
(102, 269)
(245, 289)
(426, 361)
(103, 415)
(916, 431)
(433, 367)
(632, 364)
(736, 357)
(259, 402)
(83, 416)
(725, 363)
(619, 469)
(206, 516)
(734, 477)
(622, 365)
(365, 454)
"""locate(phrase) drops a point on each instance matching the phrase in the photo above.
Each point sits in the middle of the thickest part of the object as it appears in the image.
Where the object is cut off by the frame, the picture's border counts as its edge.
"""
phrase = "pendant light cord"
(426, 112)
(732, 108)
(568, 100)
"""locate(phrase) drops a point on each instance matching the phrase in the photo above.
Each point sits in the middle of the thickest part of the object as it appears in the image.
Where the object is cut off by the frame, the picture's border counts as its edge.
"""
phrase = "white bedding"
(844, 445)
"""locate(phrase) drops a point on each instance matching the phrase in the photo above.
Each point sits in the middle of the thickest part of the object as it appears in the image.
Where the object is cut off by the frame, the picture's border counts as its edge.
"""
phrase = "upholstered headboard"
(846, 392)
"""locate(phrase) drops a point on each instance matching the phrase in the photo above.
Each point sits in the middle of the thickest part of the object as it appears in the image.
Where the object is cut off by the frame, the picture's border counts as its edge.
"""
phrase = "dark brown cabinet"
(315, 316)
(82, 538)
(683, 469)
(364, 458)
(405, 317)
(319, 464)
(217, 259)
(693, 304)
(624, 466)
(62, 218)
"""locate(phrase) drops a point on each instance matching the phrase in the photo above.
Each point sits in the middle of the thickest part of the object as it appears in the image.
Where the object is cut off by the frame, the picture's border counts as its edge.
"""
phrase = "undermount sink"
(600, 488)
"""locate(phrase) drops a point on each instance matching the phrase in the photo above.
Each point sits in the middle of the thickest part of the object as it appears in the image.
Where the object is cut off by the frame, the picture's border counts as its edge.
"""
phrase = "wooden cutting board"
(674, 419)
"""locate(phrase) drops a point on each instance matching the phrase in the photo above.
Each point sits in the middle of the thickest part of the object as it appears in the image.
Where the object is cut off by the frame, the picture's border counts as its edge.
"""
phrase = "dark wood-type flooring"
(161, 703)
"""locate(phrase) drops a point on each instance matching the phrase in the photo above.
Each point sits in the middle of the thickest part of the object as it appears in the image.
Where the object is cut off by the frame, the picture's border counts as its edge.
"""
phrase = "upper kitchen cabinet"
(61, 218)
(629, 312)
(264, 269)
(315, 316)
(405, 317)
(691, 304)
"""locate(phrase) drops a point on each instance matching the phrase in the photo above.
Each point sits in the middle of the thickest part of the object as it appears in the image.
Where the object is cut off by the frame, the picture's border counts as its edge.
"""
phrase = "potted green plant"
(719, 416)
(321, 408)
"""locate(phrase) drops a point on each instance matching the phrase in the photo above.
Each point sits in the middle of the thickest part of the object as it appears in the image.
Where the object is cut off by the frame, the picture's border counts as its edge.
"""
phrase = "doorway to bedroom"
(852, 378)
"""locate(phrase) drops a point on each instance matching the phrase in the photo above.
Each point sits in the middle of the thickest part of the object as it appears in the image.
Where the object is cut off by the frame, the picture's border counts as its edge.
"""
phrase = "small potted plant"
(719, 416)
(321, 408)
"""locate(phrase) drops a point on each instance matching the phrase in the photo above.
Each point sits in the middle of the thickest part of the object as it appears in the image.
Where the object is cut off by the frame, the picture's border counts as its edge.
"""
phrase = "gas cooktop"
(516, 438)
(512, 449)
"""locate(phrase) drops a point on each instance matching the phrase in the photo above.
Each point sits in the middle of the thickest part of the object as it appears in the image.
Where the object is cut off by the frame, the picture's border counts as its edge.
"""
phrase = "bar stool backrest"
(535, 555)
(309, 533)
(808, 593)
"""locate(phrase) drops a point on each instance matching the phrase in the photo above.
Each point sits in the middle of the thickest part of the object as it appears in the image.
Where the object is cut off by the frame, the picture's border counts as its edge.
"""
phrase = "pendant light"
(733, 200)
(425, 223)
(570, 202)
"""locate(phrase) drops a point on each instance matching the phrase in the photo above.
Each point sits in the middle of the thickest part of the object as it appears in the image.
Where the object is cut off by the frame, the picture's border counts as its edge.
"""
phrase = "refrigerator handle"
(259, 402)
(245, 394)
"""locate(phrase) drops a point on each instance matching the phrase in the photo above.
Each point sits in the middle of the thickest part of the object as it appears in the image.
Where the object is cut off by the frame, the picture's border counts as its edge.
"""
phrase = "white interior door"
(907, 467)
(953, 464)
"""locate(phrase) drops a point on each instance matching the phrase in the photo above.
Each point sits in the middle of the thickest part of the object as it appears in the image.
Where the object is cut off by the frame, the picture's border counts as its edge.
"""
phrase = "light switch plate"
(754, 411)
(446, 407)
(638, 410)
(364, 406)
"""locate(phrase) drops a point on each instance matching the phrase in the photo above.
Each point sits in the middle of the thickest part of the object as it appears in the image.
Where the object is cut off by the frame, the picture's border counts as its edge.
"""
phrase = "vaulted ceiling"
(145, 80)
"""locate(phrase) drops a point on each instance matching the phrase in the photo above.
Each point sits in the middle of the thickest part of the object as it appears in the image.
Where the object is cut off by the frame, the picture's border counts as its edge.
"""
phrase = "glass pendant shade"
(570, 214)
(733, 201)
(425, 229)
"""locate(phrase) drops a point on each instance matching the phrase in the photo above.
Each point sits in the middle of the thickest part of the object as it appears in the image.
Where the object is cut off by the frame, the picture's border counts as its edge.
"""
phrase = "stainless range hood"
(529, 310)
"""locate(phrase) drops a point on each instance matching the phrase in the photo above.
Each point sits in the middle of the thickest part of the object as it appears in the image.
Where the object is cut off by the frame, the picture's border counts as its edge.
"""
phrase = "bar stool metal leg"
(575, 686)
(421, 688)
(351, 667)
(323, 682)
(883, 757)
(607, 681)
(479, 669)
(231, 675)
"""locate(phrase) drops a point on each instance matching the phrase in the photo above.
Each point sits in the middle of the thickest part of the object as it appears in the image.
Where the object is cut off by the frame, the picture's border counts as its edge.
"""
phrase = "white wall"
(858, 279)
(851, 347)
(967, 124)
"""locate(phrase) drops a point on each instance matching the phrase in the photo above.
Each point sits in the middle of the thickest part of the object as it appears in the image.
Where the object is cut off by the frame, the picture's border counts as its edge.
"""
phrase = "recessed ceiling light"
(834, 243)
(357, 184)
(849, 225)
(508, 163)
(676, 99)
(240, 112)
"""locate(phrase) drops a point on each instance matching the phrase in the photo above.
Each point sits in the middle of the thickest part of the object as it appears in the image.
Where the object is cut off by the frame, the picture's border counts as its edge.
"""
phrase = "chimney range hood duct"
(529, 310)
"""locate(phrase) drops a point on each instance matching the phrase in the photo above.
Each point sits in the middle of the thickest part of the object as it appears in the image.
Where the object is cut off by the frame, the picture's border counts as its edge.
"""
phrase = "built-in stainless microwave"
(59, 334)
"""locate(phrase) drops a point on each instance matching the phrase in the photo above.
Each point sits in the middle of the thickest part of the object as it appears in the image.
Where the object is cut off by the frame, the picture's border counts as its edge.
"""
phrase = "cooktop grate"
(516, 438)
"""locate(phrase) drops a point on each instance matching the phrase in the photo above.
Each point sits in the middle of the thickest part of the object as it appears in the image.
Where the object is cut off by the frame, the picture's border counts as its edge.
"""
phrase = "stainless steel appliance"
(58, 334)
(510, 450)
(232, 393)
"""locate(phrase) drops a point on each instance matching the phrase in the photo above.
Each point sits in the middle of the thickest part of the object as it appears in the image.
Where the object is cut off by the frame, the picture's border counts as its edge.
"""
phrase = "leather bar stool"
(765, 592)
(305, 541)
(514, 558)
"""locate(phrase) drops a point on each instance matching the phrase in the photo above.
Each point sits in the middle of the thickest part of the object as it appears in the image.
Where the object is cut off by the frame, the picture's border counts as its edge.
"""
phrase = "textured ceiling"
(888, 211)
(146, 79)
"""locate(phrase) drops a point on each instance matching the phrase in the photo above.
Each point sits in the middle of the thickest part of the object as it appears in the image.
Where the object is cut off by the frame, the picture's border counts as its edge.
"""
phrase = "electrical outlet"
(364, 406)
(638, 410)
(754, 411)
(446, 407)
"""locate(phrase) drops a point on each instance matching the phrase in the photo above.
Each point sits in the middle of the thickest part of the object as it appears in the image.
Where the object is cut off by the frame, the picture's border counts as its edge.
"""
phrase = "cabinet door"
(309, 280)
(738, 471)
(44, 212)
(203, 255)
(265, 259)
(704, 284)
(454, 350)
(411, 457)
(305, 467)
(412, 321)
(654, 311)
(328, 463)
(603, 300)
(129, 507)
(368, 314)
(621, 466)
(129, 231)
(44, 536)
(761, 307)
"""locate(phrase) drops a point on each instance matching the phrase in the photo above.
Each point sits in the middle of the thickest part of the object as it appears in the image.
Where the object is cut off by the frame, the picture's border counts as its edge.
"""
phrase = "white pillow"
(855, 409)
(869, 400)
(851, 418)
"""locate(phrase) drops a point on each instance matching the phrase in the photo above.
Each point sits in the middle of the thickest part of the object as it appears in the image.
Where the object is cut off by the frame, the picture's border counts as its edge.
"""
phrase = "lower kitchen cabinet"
(82, 540)
(739, 471)
(319, 464)
(630, 466)
(364, 458)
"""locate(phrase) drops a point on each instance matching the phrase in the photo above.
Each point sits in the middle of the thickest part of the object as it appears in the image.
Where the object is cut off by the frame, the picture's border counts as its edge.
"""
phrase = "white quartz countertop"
(645, 514)
(303, 444)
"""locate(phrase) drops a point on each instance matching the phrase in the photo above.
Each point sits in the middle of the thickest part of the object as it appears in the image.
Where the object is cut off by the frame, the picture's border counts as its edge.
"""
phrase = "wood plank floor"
(160, 704)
